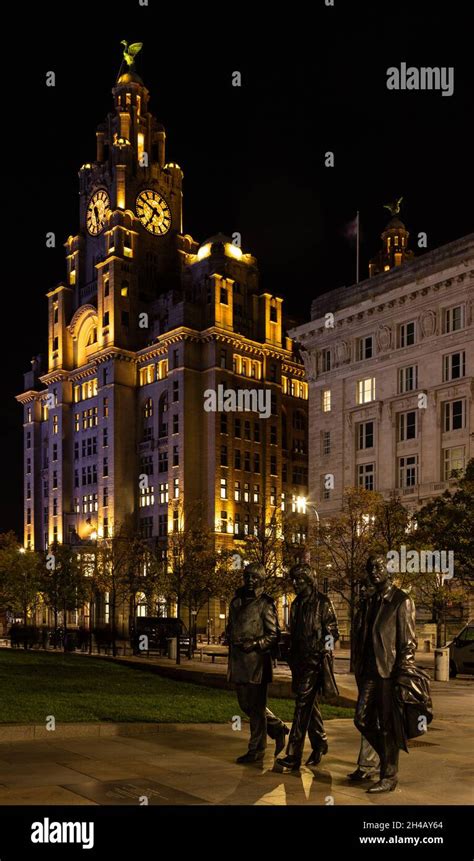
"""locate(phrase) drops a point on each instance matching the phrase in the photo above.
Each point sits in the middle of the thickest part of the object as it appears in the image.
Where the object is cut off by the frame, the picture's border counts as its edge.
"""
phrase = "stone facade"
(147, 320)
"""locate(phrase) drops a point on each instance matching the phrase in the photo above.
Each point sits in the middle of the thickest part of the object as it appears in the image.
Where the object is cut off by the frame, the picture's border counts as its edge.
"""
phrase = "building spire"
(394, 251)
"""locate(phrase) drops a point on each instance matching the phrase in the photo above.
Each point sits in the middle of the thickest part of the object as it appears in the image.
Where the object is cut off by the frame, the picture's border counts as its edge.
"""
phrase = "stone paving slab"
(198, 767)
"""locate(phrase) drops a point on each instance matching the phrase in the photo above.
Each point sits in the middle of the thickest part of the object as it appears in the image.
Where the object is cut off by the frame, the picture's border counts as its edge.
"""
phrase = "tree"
(20, 577)
(192, 571)
(62, 585)
(116, 565)
(446, 523)
(346, 540)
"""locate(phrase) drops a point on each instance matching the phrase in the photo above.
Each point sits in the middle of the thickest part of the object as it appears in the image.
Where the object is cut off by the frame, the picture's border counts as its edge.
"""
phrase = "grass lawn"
(37, 684)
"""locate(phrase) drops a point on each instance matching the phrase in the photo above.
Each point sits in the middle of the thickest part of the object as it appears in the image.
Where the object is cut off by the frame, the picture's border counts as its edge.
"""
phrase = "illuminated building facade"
(390, 364)
(146, 322)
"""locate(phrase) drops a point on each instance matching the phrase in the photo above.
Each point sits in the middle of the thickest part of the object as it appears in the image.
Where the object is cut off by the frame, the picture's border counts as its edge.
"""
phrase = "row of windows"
(453, 321)
(454, 368)
(147, 494)
(454, 462)
(151, 373)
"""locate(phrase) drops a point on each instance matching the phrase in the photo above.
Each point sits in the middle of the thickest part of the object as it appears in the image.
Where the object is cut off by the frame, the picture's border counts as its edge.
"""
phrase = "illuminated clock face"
(153, 212)
(97, 211)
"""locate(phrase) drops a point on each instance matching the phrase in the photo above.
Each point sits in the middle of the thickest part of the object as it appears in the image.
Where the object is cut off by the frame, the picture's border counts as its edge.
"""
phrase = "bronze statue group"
(393, 702)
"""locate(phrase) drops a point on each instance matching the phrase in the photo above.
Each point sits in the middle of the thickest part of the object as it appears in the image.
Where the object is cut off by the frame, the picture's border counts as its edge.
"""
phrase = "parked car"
(461, 651)
(159, 629)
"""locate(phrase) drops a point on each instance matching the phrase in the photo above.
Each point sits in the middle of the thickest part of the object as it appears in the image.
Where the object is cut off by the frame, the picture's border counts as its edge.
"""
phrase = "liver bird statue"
(130, 52)
(394, 208)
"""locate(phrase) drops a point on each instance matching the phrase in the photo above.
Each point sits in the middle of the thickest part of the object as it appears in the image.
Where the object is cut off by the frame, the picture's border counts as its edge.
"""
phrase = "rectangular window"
(366, 435)
(246, 492)
(454, 318)
(454, 366)
(326, 400)
(163, 493)
(223, 423)
(256, 432)
(326, 442)
(224, 455)
(237, 430)
(247, 430)
(408, 471)
(162, 525)
(273, 465)
(175, 391)
(256, 463)
(407, 426)
(326, 360)
(163, 461)
(366, 390)
(454, 415)
(273, 435)
(237, 491)
(273, 495)
(406, 334)
(237, 459)
(247, 461)
(365, 348)
(224, 519)
(175, 423)
(407, 379)
(105, 408)
(105, 496)
(454, 462)
(256, 493)
(176, 488)
(55, 424)
(366, 475)
(175, 455)
(223, 488)
(105, 467)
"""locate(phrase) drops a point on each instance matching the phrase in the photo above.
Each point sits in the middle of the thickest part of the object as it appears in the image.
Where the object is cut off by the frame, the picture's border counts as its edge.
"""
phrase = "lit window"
(366, 390)
(326, 400)
(454, 461)
(223, 488)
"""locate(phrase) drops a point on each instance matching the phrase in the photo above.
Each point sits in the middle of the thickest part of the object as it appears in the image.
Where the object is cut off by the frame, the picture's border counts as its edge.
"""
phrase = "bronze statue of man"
(384, 649)
(252, 635)
(313, 632)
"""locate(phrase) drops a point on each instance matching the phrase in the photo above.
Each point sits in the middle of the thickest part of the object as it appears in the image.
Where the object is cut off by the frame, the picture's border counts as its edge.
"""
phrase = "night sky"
(253, 157)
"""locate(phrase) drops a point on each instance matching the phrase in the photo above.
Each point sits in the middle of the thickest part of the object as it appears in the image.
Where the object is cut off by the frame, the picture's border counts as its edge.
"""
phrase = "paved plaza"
(195, 764)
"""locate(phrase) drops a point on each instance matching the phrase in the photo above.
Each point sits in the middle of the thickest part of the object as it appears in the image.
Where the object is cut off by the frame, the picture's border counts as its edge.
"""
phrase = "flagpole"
(357, 247)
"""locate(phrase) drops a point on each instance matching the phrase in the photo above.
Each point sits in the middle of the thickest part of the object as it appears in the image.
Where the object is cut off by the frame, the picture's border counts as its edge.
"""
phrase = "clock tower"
(127, 250)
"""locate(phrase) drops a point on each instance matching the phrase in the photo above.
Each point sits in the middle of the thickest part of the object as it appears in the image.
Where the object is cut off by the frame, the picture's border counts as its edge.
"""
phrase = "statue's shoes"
(387, 784)
(315, 757)
(251, 756)
(291, 762)
(359, 774)
(280, 740)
